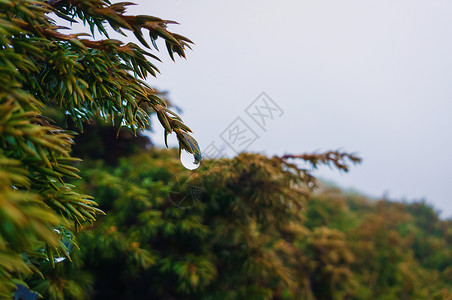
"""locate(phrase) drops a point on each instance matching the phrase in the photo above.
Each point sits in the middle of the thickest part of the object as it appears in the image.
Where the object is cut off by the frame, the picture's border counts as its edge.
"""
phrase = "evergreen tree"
(85, 78)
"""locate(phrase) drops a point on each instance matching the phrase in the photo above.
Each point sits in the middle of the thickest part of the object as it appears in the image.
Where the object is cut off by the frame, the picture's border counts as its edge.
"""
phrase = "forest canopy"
(249, 234)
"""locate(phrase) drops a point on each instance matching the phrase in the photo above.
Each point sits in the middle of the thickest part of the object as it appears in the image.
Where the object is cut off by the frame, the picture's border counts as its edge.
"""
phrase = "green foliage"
(252, 234)
(42, 68)
(385, 238)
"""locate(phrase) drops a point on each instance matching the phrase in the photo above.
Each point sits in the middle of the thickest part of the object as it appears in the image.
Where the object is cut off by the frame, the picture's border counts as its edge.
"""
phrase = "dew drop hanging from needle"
(188, 160)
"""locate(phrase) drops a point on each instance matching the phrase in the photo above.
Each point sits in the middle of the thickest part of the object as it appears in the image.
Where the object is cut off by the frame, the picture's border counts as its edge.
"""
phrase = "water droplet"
(188, 160)
(58, 259)
(66, 238)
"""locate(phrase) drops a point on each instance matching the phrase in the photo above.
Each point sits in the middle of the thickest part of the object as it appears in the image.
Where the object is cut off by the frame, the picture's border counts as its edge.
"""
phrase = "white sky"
(367, 76)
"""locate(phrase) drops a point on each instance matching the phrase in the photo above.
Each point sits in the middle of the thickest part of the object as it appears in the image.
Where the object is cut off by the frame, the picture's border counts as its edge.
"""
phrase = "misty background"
(371, 77)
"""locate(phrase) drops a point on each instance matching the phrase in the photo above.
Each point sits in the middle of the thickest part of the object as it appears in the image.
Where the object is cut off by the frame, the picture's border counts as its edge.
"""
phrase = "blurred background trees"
(254, 232)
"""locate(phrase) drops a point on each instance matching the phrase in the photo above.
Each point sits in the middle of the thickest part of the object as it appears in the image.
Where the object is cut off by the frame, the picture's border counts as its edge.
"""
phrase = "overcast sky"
(367, 76)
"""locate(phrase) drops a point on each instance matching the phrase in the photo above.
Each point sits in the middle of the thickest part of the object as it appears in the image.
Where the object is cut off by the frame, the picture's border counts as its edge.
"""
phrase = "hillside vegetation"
(245, 228)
